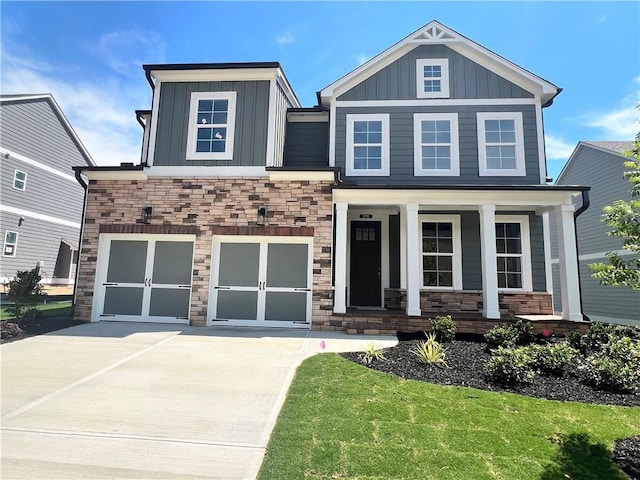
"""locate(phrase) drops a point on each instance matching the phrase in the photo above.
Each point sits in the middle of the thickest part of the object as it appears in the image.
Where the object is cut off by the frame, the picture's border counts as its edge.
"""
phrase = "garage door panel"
(172, 263)
(286, 306)
(237, 305)
(127, 261)
(123, 301)
(167, 302)
(239, 264)
(287, 265)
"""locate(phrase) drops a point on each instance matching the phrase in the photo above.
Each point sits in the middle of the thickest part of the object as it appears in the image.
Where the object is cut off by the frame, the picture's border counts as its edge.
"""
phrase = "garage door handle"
(222, 288)
(110, 284)
(184, 286)
(302, 289)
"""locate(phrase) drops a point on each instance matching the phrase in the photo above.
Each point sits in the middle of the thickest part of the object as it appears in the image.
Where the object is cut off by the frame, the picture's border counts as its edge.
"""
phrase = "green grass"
(59, 309)
(344, 421)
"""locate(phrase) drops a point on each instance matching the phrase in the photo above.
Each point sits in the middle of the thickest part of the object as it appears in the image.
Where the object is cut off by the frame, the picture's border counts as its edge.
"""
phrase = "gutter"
(585, 204)
(84, 185)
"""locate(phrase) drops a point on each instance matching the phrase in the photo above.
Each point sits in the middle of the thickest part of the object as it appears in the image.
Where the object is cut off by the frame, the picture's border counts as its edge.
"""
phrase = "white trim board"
(599, 255)
(436, 102)
(39, 216)
(16, 156)
(186, 171)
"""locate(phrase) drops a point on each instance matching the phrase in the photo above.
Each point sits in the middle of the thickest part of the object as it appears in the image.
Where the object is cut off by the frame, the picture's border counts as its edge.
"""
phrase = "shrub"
(24, 291)
(509, 366)
(499, 336)
(522, 331)
(372, 352)
(431, 351)
(443, 327)
(609, 374)
(574, 339)
(9, 329)
(552, 359)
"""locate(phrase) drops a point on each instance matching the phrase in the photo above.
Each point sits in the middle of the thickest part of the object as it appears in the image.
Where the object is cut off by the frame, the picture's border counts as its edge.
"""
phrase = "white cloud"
(619, 123)
(125, 51)
(362, 58)
(285, 39)
(557, 149)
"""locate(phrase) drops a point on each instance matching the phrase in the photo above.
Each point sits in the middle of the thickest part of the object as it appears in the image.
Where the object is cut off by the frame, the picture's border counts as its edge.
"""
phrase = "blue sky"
(89, 54)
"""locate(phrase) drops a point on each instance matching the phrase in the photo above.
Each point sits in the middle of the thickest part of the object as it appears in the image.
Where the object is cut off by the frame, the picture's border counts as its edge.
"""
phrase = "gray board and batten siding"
(32, 128)
(402, 145)
(397, 81)
(307, 144)
(471, 249)
(251, 123)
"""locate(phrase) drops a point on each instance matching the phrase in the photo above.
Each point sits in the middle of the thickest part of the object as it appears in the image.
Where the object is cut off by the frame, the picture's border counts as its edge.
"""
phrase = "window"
(436, 144)
(211, 126)
(10, 244)
(368, 145)
(501, 144)
(441, 247)
(512, 250)
(19, 180)
(432, 76)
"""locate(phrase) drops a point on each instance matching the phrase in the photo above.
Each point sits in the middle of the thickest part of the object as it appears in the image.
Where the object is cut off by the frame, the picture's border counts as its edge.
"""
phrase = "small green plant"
(615, 366)
(24, 292)
(443, 327)
(431, 351)
(372, 352)
(509, 366)
(499, 336)
(552, 359)
(574, 339)
(522, 330)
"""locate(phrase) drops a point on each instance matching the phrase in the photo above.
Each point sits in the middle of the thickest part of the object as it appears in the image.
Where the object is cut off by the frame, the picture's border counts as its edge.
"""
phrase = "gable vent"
(436, 33)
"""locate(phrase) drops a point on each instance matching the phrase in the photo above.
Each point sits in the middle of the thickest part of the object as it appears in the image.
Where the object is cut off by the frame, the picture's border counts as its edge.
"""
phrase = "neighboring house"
(40, 200)
(418, 183)
(600, 165)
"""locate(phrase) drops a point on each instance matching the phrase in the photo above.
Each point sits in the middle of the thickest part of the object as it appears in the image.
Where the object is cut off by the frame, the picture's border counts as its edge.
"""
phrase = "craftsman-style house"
(416, 186)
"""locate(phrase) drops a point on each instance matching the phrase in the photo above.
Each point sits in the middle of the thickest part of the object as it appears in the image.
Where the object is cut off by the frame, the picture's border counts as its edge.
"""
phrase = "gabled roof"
(58, 111)
(616, 148)
(435, 33)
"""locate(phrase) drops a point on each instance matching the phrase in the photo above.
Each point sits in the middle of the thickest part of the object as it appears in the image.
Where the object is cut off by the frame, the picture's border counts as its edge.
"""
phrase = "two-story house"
(40, 200)
(417, 183)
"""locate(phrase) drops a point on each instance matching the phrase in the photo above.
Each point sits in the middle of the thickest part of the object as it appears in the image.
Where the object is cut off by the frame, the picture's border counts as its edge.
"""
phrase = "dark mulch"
(626, 453)
(35, 326)
(466, 357)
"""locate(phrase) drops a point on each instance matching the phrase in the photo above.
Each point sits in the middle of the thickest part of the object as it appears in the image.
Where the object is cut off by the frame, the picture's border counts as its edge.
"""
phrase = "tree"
(24, 291)
(624, 219)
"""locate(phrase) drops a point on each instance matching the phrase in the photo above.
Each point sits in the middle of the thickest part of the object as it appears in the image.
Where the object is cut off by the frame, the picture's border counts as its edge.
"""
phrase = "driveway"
(124, 400)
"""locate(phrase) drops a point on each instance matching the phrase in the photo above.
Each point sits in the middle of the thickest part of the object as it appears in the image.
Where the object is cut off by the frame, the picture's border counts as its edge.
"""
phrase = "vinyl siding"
(467, 79)
(307, 144)
(251, 122)
(33, 129)
(402, 147)
(280, 126)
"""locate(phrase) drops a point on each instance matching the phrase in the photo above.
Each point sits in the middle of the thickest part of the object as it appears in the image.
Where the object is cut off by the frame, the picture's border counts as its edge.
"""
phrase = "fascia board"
(569, 162)
(215, 75)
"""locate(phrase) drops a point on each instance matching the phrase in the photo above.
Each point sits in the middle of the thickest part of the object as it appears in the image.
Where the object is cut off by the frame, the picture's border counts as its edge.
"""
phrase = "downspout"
(84, 185)
(576, 214)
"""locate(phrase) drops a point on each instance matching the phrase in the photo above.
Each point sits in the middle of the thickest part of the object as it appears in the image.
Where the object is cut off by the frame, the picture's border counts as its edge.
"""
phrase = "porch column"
(568, 262)
(340, 246)
(491, 307)
(414, 262)
(403, 248)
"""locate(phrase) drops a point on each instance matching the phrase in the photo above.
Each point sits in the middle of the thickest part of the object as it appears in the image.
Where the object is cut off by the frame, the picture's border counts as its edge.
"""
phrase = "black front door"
(365, 264)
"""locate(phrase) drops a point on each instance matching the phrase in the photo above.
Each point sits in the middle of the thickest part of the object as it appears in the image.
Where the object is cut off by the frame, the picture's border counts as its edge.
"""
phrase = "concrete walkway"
(144, 401)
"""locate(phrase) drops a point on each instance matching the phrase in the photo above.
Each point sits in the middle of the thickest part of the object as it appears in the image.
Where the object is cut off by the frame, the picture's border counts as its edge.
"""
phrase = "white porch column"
(414, 262)
(568, 262)
(403, 248)
(340, 288)
(491, 307)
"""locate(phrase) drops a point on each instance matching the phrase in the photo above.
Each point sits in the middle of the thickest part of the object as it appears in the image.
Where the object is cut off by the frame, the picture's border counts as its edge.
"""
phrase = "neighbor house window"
(19, 180)
(441, 247)
(500, 144)
(367, 145)
(211, 126)
(432, 77)
(10, 244)
(436, 144)
(513, 253)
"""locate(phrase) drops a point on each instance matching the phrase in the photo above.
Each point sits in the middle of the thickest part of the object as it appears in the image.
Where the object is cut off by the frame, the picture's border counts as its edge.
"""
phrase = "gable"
(467, 79)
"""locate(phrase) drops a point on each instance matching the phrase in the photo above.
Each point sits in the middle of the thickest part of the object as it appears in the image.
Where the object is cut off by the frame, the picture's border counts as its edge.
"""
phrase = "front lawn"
(55, 309)
(342, 420)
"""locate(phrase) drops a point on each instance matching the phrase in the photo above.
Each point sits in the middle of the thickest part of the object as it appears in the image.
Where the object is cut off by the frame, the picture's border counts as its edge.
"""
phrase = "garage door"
(261, 281)
(144, 278)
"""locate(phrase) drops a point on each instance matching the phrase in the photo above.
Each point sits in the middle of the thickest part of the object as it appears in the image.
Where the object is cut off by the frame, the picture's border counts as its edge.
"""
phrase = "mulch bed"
(626, 454)
(34, 327)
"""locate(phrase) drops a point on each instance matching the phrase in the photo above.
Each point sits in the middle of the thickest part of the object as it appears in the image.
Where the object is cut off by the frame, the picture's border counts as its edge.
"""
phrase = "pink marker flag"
(322, 345)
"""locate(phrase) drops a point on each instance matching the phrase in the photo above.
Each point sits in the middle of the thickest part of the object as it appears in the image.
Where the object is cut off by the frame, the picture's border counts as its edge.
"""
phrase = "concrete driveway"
(123, 400)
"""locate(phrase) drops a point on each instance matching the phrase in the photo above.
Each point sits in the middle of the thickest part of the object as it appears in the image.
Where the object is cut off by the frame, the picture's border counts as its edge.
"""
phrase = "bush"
(522, 331)
(9, 329)
(552, 359)
(431, 351)
(24, 291)
(443, 327)
(609, 374)
(509, 366)
(499, 336)
(574, 339)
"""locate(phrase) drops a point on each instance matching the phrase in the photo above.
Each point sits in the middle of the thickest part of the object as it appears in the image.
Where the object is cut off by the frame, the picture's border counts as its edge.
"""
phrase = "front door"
(365, 265)
(263, 281)
(146, 278)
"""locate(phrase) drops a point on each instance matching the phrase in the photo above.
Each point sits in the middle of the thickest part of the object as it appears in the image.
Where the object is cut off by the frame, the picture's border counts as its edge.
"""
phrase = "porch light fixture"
(146, 214)
(262, 215)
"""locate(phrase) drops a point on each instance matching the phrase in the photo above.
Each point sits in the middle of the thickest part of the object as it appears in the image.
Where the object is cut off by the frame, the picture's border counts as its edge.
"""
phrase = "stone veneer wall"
(204, 207)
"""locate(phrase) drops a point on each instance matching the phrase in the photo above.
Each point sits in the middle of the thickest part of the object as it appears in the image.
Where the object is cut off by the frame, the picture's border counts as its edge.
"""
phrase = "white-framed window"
(211, 126)
(513, 252)
(436, 150)
(432, 78)
(500, 144)
(367, 145)
(441, 251)
(10, 244)
(19, 180)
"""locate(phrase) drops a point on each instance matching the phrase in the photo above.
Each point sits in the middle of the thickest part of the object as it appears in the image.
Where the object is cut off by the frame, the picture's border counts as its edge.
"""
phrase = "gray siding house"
(600, 165)
(416, 186)
(40, 199)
